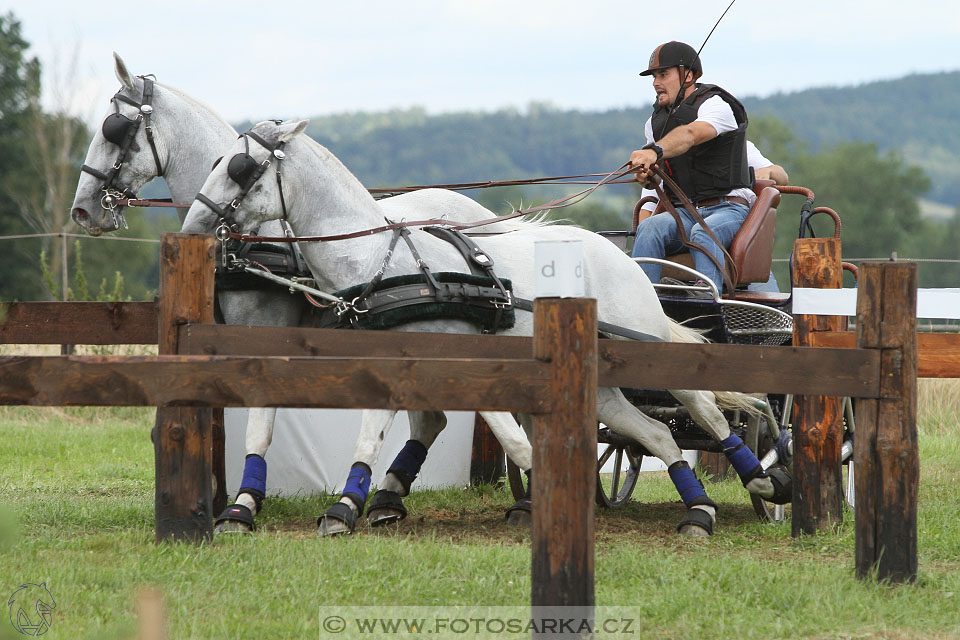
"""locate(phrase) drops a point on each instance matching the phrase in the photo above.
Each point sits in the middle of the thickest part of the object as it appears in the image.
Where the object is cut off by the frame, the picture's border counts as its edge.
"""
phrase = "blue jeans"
(770, 286)
(657, 237)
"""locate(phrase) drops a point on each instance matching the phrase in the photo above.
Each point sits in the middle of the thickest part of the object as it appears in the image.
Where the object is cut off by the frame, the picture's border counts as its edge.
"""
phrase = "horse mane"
(186, 97)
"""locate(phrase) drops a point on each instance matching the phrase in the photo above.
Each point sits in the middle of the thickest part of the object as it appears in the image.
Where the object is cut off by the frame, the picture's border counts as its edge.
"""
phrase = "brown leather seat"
(752, 247)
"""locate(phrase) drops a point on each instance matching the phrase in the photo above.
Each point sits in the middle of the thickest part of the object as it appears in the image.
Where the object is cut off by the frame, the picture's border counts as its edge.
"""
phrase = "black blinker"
(115, 128)
(241, 168)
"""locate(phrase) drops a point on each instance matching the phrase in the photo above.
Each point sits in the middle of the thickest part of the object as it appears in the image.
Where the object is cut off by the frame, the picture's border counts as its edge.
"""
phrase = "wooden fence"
(550, 376)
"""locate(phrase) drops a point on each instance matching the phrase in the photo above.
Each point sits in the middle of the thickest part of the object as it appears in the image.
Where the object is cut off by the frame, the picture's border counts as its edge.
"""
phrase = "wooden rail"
(78, 323)
(938, 354)
(554, 382)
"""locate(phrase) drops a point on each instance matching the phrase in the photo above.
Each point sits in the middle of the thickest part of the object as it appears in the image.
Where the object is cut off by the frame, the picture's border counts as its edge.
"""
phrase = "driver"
(698, 135)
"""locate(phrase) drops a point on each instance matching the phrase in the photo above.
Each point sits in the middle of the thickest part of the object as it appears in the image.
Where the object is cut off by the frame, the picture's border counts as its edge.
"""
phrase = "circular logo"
(31, 609)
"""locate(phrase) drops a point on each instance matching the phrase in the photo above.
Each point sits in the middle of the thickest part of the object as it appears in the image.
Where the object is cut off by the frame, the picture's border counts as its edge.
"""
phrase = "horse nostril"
(79, 214)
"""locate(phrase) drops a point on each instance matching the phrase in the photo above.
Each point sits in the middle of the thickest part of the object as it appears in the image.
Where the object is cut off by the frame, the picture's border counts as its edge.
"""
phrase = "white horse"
(322, 198)
(187, 138)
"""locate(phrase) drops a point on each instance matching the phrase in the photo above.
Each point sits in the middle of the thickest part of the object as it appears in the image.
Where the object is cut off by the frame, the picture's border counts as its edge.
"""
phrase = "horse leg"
(342, 517)
(513, 438)
(774, 485)
(239, 516)
(616, 412)
(386, 506)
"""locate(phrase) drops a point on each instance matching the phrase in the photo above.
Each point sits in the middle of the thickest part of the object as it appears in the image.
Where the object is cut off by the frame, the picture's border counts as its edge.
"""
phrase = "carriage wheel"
(518, 480)
(849, 426)
(622, 482)
(758, 438)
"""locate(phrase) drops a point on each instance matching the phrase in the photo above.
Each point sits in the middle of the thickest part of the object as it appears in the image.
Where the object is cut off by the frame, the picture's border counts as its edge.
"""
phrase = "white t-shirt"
(717, 113)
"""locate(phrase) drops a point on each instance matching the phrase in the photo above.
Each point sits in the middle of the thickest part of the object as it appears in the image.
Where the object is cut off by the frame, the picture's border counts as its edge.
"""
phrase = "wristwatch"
(655, 147)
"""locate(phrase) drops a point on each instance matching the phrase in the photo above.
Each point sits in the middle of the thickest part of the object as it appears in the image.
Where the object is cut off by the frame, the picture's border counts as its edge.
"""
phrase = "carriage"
(747, 316)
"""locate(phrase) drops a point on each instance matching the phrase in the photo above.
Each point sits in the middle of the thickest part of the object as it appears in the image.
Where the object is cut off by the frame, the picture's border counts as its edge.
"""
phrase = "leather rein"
(729, 268)
(553, 204)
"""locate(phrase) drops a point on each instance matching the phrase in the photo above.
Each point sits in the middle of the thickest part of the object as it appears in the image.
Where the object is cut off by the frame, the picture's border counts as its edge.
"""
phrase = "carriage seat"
(752, 247)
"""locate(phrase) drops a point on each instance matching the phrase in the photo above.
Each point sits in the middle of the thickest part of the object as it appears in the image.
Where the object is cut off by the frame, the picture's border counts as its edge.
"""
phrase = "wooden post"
(486, 459)
(885, 444)
(564, 455)
(817, 420)
(182, 435)
(218, 462)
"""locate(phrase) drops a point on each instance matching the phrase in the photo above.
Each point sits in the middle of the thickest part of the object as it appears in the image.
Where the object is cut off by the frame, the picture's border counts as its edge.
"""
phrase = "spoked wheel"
(518, 480)
(846, 453)
(759, 438)
(622, 481)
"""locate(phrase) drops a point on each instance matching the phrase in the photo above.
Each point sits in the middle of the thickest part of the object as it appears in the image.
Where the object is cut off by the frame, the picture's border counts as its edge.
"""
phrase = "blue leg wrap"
(254, 479)
(686, 482)
(358, 484)
(407, 464)
(744, 461)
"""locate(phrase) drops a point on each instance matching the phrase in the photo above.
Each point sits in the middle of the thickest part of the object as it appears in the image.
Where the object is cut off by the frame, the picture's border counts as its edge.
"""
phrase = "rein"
(730, 275)
(559, 203)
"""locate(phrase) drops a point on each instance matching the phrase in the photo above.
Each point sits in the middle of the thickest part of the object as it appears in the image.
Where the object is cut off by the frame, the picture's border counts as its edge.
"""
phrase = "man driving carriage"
(698, 135)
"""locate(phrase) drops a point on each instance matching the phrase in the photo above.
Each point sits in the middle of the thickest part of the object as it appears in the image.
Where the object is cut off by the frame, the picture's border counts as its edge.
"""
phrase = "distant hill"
(919, 115)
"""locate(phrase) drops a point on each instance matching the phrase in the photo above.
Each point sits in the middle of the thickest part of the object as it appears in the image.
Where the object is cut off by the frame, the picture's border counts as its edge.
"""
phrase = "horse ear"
(120, 68)
(290, 130)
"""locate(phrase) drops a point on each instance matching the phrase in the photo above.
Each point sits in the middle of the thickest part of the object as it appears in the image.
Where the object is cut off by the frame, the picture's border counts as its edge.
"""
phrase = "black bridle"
(121, 131)
(244, 170)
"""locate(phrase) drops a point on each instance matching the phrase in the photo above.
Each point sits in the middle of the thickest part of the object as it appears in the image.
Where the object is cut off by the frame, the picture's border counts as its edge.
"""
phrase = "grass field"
(76, 512)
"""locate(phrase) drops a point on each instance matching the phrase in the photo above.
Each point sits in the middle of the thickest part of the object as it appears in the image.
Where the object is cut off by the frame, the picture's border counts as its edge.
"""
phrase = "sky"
(294, 59)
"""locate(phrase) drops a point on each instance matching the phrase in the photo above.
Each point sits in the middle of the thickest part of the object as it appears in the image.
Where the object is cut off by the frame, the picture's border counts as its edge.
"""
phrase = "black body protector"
(716, 167)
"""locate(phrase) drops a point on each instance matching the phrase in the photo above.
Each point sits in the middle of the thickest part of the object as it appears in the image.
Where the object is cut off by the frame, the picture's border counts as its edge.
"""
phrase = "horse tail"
(683, 333)
(725, 399)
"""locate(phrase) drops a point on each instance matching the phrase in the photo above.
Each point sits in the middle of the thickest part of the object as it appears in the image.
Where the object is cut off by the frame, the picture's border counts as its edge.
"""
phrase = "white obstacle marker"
(931, 303)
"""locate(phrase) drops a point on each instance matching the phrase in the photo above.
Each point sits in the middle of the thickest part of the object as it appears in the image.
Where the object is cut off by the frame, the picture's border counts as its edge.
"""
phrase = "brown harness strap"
(729, 268)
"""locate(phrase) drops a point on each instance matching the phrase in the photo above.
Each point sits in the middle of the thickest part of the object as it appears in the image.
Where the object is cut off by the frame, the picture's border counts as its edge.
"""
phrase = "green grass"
(78, 492)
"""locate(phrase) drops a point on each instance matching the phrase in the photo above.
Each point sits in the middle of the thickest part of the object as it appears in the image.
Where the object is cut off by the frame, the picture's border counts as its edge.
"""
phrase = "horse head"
(123, 156)
(245, 189)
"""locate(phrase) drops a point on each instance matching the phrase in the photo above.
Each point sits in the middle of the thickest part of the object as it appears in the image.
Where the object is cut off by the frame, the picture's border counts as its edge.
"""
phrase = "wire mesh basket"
(750, 323)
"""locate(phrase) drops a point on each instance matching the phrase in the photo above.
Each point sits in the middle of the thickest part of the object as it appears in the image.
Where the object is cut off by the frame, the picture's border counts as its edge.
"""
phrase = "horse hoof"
(520, 514)
(698, 523)
(385, 508)
(383, 517)
(236, 518)
(338, 520)
(330, 527)
(519, 518)
(231, 526)
(693, 531)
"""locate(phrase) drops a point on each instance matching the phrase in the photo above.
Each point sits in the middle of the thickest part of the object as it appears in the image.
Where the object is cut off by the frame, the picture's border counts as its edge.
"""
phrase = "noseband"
(121, 131)
(245, 171)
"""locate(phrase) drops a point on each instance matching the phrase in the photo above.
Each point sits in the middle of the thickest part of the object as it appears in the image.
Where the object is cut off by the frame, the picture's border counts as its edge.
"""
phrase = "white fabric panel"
(312, 451)
(931, 303)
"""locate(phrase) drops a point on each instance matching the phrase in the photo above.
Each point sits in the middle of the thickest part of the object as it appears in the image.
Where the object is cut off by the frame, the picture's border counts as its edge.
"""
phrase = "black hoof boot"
(521, 514)
(782, 485)
(235, 519)
(697, 523)
(337, 520)
(385, 508)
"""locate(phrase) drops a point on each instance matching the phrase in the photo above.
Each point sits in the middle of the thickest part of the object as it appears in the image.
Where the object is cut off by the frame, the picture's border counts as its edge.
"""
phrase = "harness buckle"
(504, 305)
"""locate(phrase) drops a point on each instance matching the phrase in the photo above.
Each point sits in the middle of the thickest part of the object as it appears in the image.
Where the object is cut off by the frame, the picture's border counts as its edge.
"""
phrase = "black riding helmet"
(674, 54)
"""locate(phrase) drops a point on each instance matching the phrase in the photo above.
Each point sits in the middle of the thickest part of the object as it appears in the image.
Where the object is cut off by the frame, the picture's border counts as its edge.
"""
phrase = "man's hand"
(642, 160)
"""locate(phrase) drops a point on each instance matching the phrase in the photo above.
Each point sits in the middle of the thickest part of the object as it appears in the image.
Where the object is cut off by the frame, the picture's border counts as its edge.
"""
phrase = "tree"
(19, 95)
